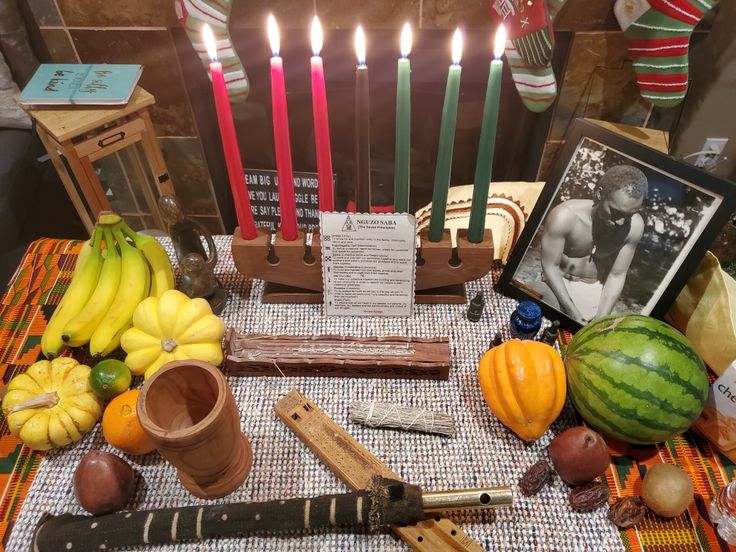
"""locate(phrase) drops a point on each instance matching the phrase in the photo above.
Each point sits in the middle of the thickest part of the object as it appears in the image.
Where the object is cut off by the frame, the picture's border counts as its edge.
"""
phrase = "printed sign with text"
(264, 198)
(368, 264)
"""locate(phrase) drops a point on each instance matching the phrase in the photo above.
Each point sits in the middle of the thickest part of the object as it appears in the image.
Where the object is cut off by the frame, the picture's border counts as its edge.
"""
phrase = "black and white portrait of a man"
(613, 235)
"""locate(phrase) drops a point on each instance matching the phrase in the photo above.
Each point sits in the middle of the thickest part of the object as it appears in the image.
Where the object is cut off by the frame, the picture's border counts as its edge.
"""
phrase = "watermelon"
(635, 378)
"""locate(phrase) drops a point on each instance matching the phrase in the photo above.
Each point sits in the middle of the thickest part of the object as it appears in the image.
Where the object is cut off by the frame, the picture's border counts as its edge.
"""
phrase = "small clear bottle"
(723, 512)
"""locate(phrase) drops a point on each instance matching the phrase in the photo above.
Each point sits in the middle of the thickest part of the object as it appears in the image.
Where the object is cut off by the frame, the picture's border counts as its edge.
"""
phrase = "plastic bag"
(705, 311)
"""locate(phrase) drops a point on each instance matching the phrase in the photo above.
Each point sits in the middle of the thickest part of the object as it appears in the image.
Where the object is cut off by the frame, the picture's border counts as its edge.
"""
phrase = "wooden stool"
(84, 134)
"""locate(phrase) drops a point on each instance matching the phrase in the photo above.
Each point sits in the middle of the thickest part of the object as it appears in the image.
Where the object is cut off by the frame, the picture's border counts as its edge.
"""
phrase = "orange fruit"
(121, 427)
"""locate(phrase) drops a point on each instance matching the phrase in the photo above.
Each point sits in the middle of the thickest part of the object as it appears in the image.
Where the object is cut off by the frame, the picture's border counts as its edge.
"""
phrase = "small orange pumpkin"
(524, 384)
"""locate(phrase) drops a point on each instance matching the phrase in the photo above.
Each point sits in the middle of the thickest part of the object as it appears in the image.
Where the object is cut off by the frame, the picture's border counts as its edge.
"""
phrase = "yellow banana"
(78, 331)
(134, 281)
(162, 275)
(115, 341)
(109, 219)
(84, 253)
(81, 287)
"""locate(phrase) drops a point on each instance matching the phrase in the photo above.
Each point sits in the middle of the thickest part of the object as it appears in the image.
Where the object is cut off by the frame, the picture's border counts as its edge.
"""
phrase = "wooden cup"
(189, 412)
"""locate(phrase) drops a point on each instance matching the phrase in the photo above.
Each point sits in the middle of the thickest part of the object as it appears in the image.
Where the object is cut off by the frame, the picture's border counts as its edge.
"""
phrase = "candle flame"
(406, 40)
(317, 36)
(457, 47)
(209, 42)
(360, 45)
(500, 43)
(273, 35)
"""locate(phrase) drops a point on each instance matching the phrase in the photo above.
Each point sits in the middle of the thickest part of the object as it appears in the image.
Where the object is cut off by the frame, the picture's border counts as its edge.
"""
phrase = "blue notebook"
(82, 84)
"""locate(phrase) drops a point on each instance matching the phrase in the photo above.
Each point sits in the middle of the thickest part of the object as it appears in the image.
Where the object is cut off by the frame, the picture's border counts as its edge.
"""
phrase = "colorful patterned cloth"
(43, 276)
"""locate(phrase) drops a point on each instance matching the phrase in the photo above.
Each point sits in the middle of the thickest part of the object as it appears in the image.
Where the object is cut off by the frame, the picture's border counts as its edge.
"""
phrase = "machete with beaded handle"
(356, 466)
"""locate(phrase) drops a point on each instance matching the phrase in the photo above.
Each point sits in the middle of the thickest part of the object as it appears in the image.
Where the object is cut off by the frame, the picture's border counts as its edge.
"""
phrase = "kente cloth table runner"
(483, 453)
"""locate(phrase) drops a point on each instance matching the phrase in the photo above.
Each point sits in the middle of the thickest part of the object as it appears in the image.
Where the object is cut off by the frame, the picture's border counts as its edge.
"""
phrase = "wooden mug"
(188, 410)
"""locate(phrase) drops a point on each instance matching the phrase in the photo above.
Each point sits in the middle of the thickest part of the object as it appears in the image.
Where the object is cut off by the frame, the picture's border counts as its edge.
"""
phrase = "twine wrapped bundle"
(381, 414)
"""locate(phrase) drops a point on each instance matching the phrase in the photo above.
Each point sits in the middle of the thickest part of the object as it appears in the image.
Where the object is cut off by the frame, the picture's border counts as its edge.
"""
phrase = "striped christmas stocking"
(537, 86)
(193, 14)
(529, 28)
(658, 34)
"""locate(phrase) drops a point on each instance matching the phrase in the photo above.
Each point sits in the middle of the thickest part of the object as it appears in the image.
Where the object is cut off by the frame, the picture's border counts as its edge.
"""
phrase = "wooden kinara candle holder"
(292, 270)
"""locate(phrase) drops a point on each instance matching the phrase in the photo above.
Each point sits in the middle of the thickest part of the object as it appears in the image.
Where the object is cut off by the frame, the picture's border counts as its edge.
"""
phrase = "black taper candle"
(362, 129)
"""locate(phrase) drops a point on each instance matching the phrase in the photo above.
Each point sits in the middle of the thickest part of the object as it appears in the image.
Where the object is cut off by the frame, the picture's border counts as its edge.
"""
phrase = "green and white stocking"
(536, 85)
(193, 14)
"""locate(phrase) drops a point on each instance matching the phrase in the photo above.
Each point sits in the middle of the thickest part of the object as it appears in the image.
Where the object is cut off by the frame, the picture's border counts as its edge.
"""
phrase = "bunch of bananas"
(106, 287)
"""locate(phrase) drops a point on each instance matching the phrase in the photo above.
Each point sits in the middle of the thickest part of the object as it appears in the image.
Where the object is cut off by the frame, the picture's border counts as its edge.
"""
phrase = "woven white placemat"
(484, 453)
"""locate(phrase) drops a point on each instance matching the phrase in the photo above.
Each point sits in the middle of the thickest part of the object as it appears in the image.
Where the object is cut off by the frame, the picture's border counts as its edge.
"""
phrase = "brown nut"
(103, 482)
(589, 497)
(627, 511)
(536, 477)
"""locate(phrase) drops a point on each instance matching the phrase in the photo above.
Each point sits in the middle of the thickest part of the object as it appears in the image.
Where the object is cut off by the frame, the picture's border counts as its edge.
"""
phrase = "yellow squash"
(524, 384)
(51, 404)
(172, 327)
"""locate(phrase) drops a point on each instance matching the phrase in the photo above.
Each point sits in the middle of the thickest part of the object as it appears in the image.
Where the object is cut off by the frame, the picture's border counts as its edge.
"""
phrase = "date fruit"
(535, 478)
(589, 497)
(627, 511)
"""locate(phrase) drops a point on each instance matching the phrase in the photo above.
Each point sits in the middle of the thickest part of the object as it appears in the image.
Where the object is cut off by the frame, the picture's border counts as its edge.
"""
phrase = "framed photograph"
(619, 227)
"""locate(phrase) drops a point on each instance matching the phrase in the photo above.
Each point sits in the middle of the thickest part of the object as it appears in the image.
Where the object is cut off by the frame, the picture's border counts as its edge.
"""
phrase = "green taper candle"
(447, 141)
(403, 126)
(487, 144)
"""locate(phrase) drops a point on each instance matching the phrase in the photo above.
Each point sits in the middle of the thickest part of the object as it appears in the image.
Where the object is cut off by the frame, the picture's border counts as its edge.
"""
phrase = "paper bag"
(705, 311)
(717, 423)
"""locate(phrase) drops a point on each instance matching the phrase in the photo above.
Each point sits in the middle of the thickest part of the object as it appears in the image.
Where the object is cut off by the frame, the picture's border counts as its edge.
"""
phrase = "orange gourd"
(524, 384)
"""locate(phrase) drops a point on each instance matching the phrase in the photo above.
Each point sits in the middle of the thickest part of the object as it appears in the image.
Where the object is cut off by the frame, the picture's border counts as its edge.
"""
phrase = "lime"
(109, 378)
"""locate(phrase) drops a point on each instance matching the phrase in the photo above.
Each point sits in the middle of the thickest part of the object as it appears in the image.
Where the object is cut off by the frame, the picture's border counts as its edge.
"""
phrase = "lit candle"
(362, 128)
(403, 126)
(487, 144)
(446, 144)
(234, 165)
(287, 202)
(321, 123)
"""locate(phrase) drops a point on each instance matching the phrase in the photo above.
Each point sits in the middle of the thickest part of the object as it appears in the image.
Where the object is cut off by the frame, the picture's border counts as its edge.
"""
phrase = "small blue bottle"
(526, 320)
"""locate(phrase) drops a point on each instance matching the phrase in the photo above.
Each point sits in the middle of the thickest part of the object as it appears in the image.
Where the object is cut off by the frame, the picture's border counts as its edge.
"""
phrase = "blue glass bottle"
(526, 320)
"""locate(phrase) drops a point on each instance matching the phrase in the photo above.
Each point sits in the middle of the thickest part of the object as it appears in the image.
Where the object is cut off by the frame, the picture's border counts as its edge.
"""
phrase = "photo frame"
(618, 227)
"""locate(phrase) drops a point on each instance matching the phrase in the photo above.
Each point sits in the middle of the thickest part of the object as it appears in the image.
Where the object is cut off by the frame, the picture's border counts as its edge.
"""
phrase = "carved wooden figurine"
(196, 265)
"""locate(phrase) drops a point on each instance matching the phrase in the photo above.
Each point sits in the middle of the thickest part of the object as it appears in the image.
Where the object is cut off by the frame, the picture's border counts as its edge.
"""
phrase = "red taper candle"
(321, 123)
(282, 146)
(235, 172)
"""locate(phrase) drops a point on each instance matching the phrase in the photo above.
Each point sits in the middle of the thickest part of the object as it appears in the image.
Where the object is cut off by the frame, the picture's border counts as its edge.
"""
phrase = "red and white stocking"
(658, 34)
